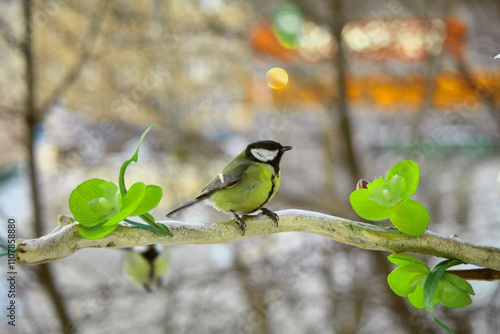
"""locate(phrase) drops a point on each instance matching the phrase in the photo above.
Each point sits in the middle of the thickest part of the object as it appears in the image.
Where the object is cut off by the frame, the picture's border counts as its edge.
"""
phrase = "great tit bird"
(246, 184)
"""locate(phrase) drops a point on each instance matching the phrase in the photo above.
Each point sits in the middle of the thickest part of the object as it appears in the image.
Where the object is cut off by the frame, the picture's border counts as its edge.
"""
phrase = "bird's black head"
(267, 151)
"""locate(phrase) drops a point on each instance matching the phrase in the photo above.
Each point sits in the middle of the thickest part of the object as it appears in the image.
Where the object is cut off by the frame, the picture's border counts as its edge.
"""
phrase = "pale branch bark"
(65, 239)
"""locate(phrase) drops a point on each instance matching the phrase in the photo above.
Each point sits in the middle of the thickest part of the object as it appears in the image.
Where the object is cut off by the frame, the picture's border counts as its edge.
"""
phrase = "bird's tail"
(183, 207)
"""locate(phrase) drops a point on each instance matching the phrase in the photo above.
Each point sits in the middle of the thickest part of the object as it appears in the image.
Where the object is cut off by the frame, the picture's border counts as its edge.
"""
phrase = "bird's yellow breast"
(256, 188)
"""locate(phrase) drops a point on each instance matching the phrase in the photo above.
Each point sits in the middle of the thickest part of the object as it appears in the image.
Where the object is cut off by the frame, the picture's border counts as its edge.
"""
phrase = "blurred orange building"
(386, 61)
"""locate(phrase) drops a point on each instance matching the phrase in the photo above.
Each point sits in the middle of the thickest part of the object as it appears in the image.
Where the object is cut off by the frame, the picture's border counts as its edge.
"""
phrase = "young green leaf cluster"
(391, 199)
(99, 205)
(425, 288)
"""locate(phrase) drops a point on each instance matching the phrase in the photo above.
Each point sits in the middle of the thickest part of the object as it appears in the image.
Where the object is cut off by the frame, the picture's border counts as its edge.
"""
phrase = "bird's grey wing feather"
(221, 181)
(225, 180)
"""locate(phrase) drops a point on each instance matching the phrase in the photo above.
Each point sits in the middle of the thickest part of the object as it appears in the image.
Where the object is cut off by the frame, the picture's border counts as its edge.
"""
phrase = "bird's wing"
(226, 179)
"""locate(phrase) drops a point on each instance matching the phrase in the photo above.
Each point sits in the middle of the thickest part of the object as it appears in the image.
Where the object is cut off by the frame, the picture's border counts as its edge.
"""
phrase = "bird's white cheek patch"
(264, 155)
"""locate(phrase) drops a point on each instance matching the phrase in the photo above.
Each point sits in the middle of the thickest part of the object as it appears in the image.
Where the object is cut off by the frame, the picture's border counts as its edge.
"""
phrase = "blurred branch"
(65, 239)
(349, 153)
(31, 119)
(431, 69)
(30, 112)
(483, 274)
(85, 55)
(340, 65)
(7, 34)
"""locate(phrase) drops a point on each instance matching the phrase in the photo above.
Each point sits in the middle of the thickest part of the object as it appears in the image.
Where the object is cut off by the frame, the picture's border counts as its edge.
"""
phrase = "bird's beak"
(286, 148)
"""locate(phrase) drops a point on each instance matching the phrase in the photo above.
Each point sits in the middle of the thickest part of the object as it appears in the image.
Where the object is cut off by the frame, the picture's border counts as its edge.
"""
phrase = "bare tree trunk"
(32, 117)
(402, 311)
(431, 69)
(343, 114)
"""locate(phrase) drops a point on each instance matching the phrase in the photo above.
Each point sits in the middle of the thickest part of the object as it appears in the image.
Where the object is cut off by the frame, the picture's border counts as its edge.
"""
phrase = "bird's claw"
(241, 224)
(271, 215)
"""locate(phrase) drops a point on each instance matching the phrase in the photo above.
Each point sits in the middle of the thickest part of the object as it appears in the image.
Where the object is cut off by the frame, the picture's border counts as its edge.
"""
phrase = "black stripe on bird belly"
(273, 185)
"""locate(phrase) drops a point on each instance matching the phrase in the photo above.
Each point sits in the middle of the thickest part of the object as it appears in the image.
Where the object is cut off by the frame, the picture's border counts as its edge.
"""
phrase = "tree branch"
(7, 34)
(483, 274)
(85, 55)
(65, 239)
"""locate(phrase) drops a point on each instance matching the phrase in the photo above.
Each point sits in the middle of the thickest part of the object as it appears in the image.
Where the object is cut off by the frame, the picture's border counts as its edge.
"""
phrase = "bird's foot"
(241, 224)
(271, 215)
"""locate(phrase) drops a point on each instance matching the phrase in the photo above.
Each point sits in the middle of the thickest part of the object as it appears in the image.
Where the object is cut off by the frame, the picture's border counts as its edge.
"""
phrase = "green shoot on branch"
(425, 288)
(99, 205)
(390, 199)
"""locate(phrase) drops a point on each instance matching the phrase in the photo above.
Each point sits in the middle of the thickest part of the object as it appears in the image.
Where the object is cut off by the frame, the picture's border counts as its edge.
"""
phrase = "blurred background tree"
(369, 84)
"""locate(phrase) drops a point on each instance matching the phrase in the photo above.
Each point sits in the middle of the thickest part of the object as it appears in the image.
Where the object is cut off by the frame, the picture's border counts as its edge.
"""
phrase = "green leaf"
(134, 158)
(405, 279)
(130, 202)
(451, 296)
(410, 217)
(425, 288)
(79, 202)
(454, 291)
(152, 197)
(109, 204)
(458, 282)
(95, 232)
(431, 286)
(404, 259)
(387, 194)
(376, 191)
(411, 173)
(396, 186)
(367, 208)
(112, 196)
(97, 207)
(417, 298)
(141, 225)
(391, 199)
(408, 280)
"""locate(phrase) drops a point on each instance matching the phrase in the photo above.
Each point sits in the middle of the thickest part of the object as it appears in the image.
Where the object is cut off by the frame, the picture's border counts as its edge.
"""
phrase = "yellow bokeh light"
(277, 78)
